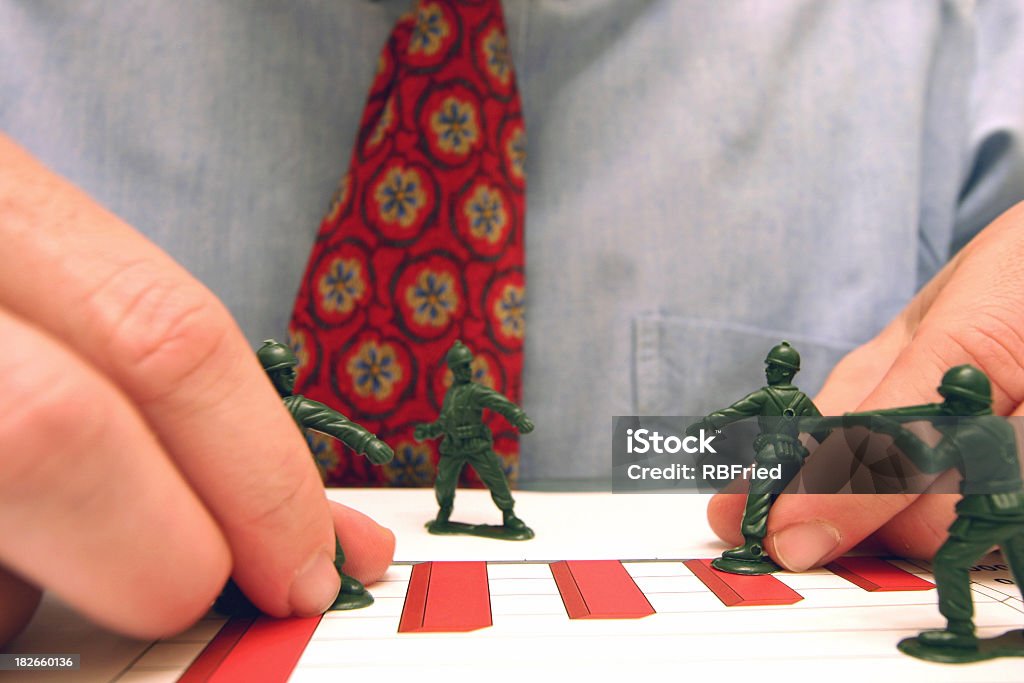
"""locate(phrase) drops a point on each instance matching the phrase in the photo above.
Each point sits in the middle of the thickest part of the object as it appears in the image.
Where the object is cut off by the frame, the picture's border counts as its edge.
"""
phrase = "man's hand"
(971, 312)
(144, 454)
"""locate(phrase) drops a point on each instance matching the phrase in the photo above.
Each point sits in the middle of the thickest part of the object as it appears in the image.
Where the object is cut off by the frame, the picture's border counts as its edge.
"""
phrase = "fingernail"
(801, 546)
(315, 587)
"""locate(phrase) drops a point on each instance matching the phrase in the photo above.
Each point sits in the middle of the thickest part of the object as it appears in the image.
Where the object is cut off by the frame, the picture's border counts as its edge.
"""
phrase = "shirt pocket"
(692, 366)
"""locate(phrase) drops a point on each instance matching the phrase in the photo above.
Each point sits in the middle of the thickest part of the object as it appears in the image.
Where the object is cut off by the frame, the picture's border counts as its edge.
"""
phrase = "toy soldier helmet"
(966, 381)
(274, 355)
(784, 356)
(459, 354)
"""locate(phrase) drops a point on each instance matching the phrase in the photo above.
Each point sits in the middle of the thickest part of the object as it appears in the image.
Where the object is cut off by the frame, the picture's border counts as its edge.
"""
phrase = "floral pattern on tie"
(422, 243)
(374, 370)
(412, 465)
(342, 285)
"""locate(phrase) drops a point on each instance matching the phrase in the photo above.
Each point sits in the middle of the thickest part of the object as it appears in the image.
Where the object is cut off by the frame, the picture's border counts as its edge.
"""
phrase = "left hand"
(132, 479)
(972, 311)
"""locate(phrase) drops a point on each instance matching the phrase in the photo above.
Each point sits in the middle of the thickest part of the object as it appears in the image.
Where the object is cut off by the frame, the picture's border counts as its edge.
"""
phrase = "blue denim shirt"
(705, 178)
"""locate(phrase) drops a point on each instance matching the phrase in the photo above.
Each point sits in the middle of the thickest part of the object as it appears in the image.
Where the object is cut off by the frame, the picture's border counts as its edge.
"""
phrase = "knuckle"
(283, 507)
(274, 507)
(162, 330)
(43, 428)
(992, 341)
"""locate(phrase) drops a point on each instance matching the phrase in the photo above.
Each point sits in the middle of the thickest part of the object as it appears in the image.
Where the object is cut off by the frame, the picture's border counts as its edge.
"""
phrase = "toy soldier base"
(512, 530)
(748, 558)
(353, 594)
(750, 567)
(932, 649)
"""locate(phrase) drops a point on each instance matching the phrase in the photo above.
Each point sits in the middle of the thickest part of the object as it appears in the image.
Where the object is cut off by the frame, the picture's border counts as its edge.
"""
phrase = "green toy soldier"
(467, 440)
(983, 448)
(777, 407)
(279, 362)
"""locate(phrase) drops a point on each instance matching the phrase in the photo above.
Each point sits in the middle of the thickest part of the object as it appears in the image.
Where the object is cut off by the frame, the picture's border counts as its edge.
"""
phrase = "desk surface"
(835, 629)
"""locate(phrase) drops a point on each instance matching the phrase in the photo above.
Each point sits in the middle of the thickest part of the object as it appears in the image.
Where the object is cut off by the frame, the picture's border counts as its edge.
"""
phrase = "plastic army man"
(778, 407)
(983, 448)
(279, 362)
(466, 440)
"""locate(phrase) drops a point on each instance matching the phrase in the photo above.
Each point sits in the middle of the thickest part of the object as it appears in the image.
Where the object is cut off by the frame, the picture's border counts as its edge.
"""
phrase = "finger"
(18, 602)
(811, 530)
(89, 504)
(172, 348)
(806, 531)
(725, 514)
(920, 529)
(974, 318)
(860, 372)
(369, 547)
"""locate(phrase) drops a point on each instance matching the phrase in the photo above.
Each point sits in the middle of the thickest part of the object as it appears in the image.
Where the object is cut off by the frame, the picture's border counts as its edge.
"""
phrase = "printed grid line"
(521, 593)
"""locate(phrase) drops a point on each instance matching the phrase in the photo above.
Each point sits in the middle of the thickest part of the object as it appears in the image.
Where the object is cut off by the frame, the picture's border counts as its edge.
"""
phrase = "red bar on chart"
(599, 589)
(415, 599)
(267, 652)
(446, 597)
(875, 574)
(738, 590)
(203, 666)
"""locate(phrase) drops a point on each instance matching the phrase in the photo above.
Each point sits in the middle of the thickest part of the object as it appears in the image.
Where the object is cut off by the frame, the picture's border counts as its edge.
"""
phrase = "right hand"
(972, 311)
(379, 452)
(786, 449)
(144, 454)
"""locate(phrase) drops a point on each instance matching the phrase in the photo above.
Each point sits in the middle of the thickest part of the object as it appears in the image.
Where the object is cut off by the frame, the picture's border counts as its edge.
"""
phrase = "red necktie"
(422, 245)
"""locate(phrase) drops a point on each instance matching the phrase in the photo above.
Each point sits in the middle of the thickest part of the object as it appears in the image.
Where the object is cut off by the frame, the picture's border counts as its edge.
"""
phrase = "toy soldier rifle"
(875, 420)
